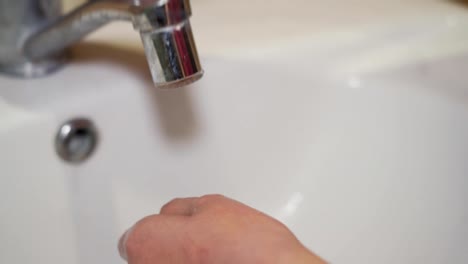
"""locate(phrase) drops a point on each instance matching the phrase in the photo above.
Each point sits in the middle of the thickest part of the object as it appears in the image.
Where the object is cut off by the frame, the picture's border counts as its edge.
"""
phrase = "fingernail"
(123, 244)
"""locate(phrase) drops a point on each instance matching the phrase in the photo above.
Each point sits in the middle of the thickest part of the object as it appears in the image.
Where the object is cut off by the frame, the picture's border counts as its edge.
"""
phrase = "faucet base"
(36, 69)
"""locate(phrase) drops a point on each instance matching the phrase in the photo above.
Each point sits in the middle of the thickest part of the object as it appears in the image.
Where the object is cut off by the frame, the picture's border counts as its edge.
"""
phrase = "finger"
(150, 237)
(123, 244)
(180, 206)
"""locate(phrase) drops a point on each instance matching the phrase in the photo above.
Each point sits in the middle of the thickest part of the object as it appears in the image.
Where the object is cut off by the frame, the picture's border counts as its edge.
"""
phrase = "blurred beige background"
(231, 26)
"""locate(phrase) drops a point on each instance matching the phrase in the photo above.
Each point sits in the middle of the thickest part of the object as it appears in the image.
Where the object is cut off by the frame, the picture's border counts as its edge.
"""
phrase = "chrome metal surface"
(33, 41)
(76, 140)
(172, 56)
(18, 20)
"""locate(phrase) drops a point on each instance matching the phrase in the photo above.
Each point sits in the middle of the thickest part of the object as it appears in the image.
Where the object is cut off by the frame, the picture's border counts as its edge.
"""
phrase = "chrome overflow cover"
(76, 140)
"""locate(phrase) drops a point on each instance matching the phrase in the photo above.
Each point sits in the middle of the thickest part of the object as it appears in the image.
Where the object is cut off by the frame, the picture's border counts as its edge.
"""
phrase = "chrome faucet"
(34, 35)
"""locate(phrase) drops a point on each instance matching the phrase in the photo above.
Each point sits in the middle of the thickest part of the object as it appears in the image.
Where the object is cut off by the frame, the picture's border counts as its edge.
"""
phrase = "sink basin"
(351, 128)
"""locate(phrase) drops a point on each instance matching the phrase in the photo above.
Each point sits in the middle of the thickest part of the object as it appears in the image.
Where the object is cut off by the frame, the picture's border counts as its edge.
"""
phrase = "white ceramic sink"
(350, 127)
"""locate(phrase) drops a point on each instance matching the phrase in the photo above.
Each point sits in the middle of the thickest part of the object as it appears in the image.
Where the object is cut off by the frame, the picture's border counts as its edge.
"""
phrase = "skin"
(212, 229)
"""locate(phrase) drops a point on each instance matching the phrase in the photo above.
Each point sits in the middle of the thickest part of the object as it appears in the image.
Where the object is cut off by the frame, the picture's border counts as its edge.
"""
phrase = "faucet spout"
(164, 27)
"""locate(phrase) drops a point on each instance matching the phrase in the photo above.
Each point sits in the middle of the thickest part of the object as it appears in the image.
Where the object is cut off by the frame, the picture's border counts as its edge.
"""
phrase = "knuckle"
(143, 223)
(169, 205)
(212, 198)
(211, 201)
